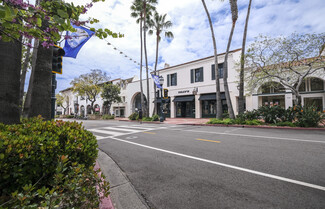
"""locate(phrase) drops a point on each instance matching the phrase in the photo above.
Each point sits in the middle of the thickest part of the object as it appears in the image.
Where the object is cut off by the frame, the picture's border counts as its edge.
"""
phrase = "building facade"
(191, 90)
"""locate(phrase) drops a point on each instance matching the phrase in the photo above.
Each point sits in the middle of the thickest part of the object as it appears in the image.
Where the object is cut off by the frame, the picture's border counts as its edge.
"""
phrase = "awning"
(184, 99)
(211, 96)
(159, 100)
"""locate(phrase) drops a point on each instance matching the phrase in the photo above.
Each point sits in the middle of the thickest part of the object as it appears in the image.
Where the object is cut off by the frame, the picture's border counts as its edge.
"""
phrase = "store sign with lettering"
(184, 91)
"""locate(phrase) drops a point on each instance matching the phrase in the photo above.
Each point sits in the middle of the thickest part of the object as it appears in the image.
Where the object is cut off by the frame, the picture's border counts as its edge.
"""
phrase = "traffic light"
(58, 52)
(165, 93)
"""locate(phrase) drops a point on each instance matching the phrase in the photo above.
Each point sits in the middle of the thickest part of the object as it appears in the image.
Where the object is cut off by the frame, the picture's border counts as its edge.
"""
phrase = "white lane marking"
(233, 130)
(132, 127)
(99, 137)
(264, 137)
(119, 129)
(112, 133)
(314, 186)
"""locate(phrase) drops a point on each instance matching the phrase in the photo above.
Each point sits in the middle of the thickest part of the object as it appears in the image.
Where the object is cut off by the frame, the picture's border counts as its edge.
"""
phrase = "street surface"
(177, 166)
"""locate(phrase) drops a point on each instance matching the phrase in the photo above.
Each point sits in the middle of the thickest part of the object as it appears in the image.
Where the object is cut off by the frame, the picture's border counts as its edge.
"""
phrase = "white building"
(192, 90)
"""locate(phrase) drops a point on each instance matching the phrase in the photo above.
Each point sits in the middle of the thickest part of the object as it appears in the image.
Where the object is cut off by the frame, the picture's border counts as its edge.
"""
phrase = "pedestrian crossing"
(105, 132)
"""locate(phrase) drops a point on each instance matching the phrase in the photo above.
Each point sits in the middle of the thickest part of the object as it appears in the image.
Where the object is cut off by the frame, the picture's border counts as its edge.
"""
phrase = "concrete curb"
(253, 126)
(123, 193)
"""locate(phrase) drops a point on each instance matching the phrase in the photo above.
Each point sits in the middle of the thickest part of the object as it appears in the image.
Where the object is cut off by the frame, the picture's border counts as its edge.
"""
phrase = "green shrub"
(155, 117)
(147, 119)
(253, 122)
(286, 123)
(69, 116)
(108, 117)
(134, 116)
(271, 114)
(308, 116)
(226, 121)
(249, 115)
(32, 153)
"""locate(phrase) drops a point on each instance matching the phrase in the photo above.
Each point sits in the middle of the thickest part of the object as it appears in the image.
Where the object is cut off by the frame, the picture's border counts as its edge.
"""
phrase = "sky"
(191, 30)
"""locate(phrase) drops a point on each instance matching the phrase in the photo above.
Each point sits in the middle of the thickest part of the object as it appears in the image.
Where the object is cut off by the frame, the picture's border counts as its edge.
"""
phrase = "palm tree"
(148, 7)
(137, 12)
(40, 97)
(218, 97)
(234, 14)
(10, 62)
(241, 108)
(159, 24)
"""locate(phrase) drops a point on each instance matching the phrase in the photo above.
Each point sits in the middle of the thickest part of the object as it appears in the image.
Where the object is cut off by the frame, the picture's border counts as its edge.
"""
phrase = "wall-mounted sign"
(184, 91)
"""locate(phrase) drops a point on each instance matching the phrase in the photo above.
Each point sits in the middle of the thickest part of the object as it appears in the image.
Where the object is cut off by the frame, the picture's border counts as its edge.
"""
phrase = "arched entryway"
(97, 109)
(88, 110)
(82, 111)
(136, 102)
(271, 93)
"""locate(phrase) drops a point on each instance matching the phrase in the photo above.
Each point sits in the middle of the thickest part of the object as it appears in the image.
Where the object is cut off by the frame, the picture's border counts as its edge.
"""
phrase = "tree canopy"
(110, 95)
(88, 85)
(19, 18)
(287, 60)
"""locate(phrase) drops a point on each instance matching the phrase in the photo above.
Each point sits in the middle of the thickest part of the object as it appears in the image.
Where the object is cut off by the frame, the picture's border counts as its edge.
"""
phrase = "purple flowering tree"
(42, 22)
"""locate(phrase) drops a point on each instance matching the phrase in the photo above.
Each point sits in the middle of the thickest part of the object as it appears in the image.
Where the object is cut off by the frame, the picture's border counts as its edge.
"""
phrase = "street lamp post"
(161, 82)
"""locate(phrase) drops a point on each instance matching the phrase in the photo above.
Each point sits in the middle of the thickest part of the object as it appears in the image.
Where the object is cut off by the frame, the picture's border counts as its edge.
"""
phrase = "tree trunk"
(23, 75)
(218, 96)
(141, 87)
(42, 83)
(30, 85)
(10, 66)
(225, 75)
(241, 107)
(146, 58)
(155, 72)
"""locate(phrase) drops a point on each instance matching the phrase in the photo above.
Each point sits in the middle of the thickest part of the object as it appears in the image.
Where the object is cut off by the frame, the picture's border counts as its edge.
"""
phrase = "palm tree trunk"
(42, 88)
(218, 97)
(23, 75)
(155, 72)
(146, 58)
(241, 107)
(141, 87)
(225, 75)
(10, 66)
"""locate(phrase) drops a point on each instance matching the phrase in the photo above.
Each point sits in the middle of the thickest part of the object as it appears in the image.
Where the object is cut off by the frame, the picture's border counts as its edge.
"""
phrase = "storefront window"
(209, 109)
(316, 84)
(273, 100)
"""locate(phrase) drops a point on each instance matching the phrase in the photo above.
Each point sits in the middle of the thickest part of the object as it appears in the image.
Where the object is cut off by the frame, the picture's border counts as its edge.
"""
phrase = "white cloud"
(191, 31)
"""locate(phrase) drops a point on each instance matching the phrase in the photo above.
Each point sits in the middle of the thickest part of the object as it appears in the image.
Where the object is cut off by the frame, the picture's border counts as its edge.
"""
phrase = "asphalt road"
(175, 166)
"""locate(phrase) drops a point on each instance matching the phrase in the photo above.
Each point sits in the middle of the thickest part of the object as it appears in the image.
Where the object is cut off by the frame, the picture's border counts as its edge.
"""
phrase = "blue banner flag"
(156, 80)
(76, 40)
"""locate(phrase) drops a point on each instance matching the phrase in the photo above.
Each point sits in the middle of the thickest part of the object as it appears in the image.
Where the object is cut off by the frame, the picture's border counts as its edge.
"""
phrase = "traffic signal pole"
(53, 98)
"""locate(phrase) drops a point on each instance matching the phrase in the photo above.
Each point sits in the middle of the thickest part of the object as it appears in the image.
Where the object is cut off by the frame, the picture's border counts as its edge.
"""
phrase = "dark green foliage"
(249, 115)
(108, 117)
(308, 116)
(47, 160)
(155, 117)
(253, 122)
(146, 119)
(134, 116)
(286, 123)
(271, 114)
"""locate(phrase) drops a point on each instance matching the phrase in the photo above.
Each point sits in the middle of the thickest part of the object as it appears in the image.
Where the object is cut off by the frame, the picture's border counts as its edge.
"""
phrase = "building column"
(288, 100)
(172, 107)
(198, 113)
(255, 100)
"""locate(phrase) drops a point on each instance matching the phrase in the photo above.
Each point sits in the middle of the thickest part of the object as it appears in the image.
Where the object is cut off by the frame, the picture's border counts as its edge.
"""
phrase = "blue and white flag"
(156, 80)
(78, 39)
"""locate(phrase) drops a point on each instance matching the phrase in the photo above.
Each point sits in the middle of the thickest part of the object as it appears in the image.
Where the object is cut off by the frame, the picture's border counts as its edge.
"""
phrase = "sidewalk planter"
(94, 117)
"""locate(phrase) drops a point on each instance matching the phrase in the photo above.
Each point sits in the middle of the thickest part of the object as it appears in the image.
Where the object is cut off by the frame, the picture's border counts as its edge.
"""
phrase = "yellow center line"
(206, 140)
(148, 132)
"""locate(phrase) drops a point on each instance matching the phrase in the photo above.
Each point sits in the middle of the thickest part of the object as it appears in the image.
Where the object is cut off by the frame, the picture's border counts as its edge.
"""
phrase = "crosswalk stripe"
(106, 132)
(120, 129)
(99, 137)
(132, 127)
